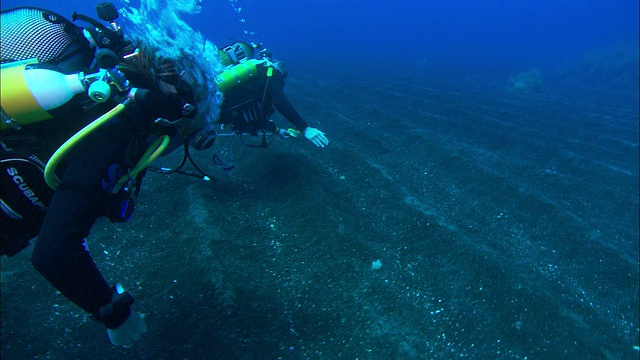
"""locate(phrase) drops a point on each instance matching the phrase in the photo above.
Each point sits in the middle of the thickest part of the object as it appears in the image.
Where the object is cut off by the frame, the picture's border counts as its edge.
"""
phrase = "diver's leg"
(60, 254)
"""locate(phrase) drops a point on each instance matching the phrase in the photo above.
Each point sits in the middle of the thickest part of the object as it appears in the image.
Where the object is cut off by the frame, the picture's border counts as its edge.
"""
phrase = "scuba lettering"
(20, 171)
(24, 201)
(24, 187)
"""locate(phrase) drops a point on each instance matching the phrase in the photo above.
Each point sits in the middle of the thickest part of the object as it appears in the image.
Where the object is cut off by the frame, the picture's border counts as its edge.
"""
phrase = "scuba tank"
(29, 91)
(237, 74)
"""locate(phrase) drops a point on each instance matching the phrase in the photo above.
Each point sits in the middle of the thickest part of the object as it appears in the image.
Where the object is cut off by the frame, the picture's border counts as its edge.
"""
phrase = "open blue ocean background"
(484, 152)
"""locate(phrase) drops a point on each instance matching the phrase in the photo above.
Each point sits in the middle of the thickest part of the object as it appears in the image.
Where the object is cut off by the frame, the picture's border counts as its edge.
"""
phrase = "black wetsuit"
(60, 254)
(248, 107)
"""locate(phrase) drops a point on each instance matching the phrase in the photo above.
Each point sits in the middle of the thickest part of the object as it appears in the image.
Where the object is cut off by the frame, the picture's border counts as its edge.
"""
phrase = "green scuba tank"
(237, 74)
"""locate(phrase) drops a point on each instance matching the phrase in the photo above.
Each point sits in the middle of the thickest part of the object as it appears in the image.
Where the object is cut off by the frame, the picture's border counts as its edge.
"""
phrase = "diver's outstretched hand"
(130, 331)
(316, 137)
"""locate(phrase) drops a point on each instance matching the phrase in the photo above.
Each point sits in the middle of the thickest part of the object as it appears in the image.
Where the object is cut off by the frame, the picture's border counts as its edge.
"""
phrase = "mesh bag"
(30, 32)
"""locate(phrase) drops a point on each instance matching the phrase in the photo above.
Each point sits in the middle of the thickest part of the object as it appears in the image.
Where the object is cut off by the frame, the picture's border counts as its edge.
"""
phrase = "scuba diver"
(253, 88)
(84, 111)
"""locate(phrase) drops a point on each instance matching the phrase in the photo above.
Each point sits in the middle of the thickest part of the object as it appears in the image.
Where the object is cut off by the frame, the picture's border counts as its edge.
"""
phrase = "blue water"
(486, 152)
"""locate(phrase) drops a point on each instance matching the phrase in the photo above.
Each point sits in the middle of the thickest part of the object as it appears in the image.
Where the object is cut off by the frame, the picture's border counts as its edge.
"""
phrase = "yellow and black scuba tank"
(31, 91)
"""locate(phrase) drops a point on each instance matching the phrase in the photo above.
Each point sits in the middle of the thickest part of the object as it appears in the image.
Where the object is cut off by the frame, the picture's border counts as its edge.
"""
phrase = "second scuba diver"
(253, 86)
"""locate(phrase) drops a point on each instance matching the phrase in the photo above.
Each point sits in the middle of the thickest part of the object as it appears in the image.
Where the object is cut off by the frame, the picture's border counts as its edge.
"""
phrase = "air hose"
(54, 161)
(151, 154)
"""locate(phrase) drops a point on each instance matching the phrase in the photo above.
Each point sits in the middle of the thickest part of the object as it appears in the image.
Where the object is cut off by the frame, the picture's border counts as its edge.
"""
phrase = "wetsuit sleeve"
(282, 103)
(60, 253)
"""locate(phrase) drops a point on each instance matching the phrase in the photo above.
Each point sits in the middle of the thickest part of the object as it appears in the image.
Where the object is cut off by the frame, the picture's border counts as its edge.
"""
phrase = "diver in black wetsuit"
(99, 175)
(255, 90)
